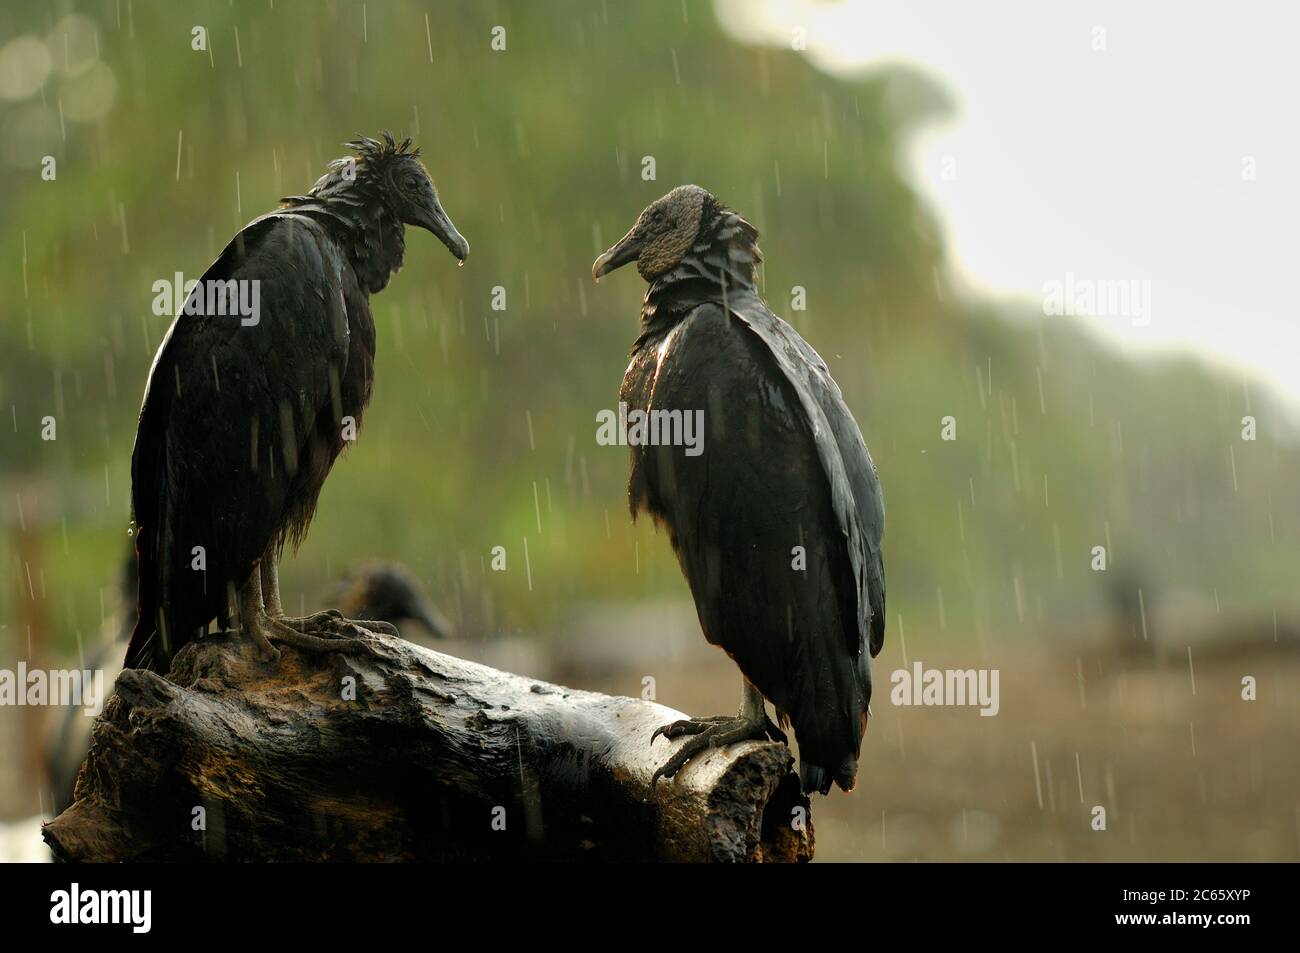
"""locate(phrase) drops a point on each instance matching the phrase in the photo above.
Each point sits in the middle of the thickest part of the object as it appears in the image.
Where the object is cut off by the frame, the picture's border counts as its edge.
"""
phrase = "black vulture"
(776, 516)
(243, 417)
(387, 592)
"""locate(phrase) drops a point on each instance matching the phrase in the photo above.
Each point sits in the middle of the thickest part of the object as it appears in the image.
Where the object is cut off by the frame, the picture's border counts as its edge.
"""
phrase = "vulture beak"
(437, 624)
(430, 215)
(627, 249)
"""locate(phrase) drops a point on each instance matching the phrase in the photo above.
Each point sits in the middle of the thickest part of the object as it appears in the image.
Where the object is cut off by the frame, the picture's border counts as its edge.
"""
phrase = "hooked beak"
(433, 218)
(627, 249)
(437, 624)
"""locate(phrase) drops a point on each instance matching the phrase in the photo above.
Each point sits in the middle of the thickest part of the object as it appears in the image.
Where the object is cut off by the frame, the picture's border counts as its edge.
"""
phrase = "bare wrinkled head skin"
(661, 236)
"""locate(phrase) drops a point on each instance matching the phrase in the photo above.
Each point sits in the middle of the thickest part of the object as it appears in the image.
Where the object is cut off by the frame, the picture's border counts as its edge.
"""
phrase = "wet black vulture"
(243, 416)
(776, 513)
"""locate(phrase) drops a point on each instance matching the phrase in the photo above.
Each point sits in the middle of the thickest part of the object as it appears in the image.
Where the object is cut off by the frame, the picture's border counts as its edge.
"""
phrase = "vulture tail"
(813, 777)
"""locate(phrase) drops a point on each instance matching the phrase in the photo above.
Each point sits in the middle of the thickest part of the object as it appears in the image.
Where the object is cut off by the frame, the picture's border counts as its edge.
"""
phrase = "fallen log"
(405, 754)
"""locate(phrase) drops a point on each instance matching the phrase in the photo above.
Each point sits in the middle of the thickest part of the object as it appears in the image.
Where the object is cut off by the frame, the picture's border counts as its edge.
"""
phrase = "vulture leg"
(331, 623)
(718, 730)
(324, 631)
(252, 615)
(271, 593)
(324, 628)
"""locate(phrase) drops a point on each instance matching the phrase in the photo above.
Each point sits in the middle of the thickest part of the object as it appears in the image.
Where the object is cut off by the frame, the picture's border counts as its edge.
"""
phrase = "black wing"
(226, 431)
(855, 486)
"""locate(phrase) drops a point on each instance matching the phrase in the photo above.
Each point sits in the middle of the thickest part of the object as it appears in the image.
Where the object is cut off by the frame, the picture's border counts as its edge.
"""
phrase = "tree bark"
(404, 754)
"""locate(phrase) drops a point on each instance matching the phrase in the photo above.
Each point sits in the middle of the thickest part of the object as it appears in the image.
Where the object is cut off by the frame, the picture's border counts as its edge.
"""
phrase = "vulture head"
(389, 593)
(390, 175)
(663, 234)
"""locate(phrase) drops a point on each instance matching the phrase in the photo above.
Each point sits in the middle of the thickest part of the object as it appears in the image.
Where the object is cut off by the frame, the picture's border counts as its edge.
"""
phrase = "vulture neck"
(373, 238)
(721, 263)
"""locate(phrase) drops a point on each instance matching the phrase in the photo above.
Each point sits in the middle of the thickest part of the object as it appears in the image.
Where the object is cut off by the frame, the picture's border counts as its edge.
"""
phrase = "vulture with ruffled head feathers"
(247, 408)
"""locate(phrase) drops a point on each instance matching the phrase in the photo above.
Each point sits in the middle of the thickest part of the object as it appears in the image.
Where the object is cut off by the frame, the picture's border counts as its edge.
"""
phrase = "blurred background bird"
(388, 592)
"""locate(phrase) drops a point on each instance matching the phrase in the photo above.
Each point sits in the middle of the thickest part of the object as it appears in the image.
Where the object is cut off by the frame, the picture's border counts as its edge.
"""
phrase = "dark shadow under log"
(404, 754)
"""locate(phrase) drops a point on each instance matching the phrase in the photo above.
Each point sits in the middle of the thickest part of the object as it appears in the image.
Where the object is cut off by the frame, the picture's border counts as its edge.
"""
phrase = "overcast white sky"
(1125, 163)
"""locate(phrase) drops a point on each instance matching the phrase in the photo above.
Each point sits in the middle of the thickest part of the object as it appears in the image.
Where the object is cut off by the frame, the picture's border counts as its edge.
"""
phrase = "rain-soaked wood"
(427, 757)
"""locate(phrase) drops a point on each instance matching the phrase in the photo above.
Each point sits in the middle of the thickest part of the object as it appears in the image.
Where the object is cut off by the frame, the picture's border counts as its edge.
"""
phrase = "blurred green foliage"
(482, 428)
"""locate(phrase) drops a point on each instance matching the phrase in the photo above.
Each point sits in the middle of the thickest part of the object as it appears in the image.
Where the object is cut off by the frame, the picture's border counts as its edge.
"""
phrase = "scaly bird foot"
(689, 726)
(332, 624)
(257, 629)
(378, 625)
(322, 632)
(715, 731)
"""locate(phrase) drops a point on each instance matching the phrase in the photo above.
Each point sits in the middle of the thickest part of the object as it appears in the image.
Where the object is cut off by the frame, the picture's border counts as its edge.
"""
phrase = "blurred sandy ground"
(1184, 774)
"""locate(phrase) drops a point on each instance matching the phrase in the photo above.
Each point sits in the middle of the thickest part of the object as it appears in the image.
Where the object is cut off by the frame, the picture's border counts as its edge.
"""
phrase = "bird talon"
(686, 726)
(377, 625)
(706, 734)
(668, 770)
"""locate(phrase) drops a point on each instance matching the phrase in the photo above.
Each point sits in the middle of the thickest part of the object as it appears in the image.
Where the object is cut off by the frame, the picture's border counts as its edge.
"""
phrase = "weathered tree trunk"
(406, 754)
